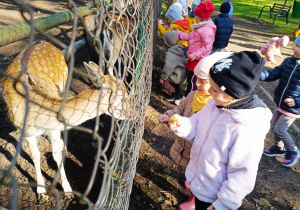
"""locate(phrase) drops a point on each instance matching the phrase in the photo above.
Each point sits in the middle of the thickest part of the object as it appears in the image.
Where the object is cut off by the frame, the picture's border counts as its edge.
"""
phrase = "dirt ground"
(158, 183)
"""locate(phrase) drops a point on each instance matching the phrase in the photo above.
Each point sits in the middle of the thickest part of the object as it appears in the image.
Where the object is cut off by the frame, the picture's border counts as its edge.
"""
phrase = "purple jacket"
(200, 40)
(227, 148)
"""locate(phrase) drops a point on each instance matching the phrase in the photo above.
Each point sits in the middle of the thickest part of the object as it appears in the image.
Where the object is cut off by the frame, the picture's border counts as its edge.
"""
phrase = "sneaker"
(177, 101)
(188, 205)
(175, 96)
(170, 99)
(291, 158)
(274, 151)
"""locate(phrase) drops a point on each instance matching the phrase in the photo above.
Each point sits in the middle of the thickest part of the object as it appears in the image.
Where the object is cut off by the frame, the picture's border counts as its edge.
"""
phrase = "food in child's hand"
(173, 119)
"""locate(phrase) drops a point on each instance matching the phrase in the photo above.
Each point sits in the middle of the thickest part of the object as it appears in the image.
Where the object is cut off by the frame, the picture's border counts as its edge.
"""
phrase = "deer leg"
(57, 149)
(119, 68)
(36, 156)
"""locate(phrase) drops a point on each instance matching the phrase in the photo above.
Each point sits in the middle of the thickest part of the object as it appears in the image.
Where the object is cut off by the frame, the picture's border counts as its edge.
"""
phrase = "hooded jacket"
(288, 74)
(174, 68)
(226, 152)
(200, 40)
(179, 25)
(270, 49)
(224, 30)
(180, 150)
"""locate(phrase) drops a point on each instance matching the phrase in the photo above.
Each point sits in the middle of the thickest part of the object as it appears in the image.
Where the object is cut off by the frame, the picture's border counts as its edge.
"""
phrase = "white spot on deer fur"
(14, 109)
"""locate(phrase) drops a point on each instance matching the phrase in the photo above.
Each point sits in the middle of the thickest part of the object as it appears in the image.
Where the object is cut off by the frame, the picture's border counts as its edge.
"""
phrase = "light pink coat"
(270, 49)
(200, 40)
(226, 152)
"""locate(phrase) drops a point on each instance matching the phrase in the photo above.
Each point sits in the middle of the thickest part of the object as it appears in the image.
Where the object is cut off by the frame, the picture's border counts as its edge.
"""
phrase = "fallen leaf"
(166, 204)
(170, 197)
(264, 202)
(256, 202)
(265, 192)
(150, 183)
(150, 170)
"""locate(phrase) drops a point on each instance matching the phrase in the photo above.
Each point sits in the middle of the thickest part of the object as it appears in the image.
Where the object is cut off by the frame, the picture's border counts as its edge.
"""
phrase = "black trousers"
(200, 205)
(190, 83)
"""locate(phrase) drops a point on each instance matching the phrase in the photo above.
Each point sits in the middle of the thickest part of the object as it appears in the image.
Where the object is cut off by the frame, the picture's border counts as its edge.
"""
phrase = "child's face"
(296, 49)
(169, 21)
(197, 19)
(280, 45)
(221, 98)
(203, 86)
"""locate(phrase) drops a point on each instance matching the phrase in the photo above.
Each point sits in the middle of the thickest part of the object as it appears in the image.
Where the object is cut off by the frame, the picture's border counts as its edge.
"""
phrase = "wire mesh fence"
(100, 123)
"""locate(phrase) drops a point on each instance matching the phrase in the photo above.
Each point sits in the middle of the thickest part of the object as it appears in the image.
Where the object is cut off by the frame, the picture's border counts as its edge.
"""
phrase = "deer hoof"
(69, 195)
(42, 197)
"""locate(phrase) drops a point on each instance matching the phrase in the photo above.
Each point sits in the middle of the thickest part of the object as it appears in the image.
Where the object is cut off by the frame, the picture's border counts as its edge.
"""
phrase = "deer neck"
(86, 105)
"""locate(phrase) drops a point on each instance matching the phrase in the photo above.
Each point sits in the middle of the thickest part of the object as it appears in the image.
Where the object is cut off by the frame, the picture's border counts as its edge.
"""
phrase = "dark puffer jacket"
(224, 30)
(288, 74)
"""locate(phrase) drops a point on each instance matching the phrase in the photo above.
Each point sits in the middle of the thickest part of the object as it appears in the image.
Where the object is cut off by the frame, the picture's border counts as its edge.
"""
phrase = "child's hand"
(159, 22)
(164, 118)
(274, 62)
(290, 102)
(191, 57)
(211, 207)
(174, 121)
(161, 81)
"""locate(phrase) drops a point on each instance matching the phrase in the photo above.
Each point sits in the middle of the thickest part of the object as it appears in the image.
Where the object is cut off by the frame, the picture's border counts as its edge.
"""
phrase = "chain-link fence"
(47, 96)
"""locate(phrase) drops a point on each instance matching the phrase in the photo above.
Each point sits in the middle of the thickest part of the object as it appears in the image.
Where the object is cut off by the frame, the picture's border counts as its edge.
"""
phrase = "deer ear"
(92, 70)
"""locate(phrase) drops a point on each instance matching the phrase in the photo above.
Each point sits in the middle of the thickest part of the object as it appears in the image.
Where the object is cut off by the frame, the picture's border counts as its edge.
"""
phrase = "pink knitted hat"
(283, 40)
(204, 65)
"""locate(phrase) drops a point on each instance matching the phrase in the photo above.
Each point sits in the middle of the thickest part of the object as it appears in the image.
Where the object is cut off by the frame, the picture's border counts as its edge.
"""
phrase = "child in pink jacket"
(273, 48)
(200, 40)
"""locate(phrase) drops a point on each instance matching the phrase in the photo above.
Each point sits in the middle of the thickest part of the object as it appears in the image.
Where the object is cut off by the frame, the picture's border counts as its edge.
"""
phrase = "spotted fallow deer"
(45, 78)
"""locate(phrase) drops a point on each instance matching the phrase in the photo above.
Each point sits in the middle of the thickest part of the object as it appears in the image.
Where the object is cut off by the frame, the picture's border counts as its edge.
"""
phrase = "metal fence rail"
(120, 38)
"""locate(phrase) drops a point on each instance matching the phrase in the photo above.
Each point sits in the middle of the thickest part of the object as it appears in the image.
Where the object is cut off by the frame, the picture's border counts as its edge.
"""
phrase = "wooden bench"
(278, 10)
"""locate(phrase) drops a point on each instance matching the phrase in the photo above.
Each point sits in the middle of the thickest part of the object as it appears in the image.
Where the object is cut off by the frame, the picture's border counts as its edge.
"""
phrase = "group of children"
(199, 35)
(221, 125)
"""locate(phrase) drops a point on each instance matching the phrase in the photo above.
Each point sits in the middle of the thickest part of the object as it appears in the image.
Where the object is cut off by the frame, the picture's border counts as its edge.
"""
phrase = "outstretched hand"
(211, 207)
(159, 22)
(191, 57)
(164, 118)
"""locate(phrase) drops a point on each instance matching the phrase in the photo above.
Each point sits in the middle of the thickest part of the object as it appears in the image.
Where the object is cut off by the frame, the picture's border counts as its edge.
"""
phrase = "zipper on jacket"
(297, 64)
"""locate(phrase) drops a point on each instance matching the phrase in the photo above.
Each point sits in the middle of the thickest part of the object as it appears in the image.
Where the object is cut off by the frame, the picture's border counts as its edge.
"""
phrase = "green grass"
(248, 9)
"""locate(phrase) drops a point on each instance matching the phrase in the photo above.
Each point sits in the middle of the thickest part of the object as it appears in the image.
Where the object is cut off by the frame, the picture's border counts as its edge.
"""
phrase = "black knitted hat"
(238, 74)
(225, 7)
